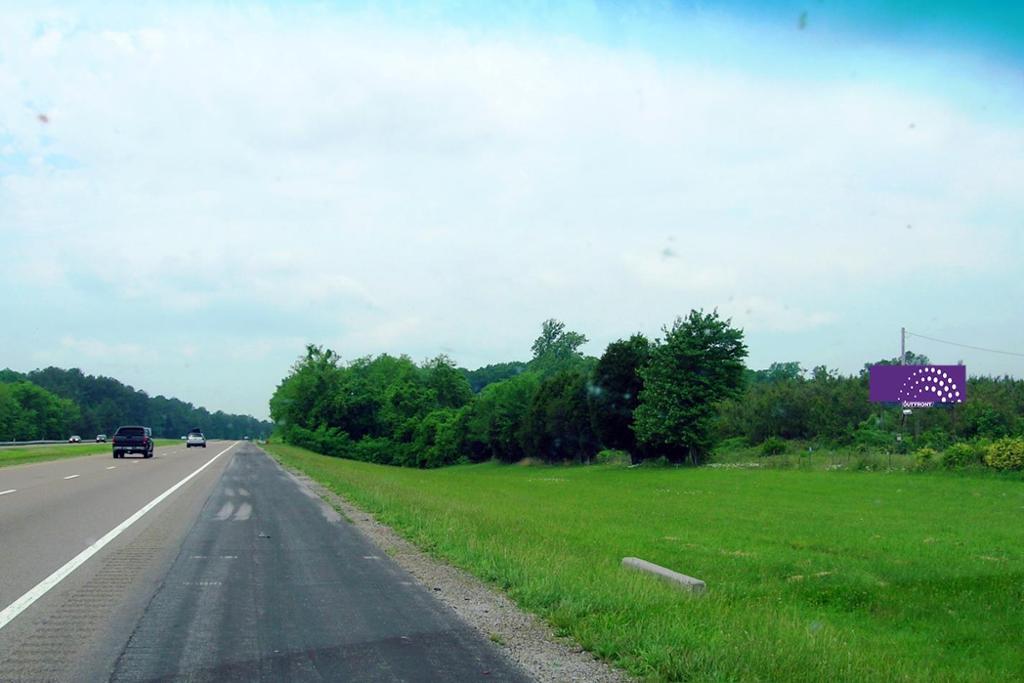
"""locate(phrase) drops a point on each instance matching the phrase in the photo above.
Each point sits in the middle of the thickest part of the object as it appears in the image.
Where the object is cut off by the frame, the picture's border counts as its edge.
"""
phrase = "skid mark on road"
(226, 511)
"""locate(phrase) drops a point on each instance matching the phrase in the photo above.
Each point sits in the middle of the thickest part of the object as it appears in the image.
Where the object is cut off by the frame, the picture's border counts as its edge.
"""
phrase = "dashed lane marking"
(4, 493)
(72, 476)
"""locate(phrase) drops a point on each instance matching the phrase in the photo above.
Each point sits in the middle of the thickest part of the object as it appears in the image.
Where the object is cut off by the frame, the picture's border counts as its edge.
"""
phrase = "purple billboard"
(918, 386)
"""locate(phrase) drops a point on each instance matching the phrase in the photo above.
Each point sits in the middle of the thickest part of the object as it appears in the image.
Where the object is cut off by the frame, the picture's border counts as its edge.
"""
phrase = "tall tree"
(558, 426)
(448, 383)
(697, 365)
(615, 392)
(556, 348)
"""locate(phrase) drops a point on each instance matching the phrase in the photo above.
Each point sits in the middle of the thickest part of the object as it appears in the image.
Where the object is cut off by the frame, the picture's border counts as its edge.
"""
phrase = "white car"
(75, 439)
(195, 439)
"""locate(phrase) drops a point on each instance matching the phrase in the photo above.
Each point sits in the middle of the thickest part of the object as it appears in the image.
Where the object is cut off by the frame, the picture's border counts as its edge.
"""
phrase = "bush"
(734, 443)
(1006, 454)
(323, 440)
(611, 456)
(960, 455)
(774, 446)
(380, 450)
(869, 439)
(925, 458)
(936, 438)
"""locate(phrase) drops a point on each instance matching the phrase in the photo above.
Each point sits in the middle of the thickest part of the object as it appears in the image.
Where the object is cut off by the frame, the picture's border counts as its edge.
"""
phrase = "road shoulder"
(524, 637)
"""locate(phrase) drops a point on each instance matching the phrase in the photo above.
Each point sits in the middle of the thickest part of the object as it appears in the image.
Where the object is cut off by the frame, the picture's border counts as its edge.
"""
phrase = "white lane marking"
(112, 467)
(226, 511)
(4, 493)
(25, 601)
(72, 476)
(244, 512)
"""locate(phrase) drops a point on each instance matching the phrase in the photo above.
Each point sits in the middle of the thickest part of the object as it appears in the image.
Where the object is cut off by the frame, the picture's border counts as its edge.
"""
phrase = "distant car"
(133, 439)
(195, 439)
(183, 438)
(75, 439)
(101, 438)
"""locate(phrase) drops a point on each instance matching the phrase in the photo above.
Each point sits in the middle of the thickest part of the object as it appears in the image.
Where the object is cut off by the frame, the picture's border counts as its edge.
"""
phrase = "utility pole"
(903, 346)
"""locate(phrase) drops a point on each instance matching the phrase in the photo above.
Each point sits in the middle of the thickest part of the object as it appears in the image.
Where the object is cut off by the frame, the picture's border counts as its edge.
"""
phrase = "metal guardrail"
(4, 444)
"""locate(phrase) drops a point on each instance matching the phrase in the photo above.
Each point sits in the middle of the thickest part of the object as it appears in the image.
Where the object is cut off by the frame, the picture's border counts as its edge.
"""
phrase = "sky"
(191, 192)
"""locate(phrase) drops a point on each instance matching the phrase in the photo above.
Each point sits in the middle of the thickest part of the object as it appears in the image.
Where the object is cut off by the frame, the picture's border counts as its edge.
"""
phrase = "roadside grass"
(811, 575)
(803, 455)
(20, 455)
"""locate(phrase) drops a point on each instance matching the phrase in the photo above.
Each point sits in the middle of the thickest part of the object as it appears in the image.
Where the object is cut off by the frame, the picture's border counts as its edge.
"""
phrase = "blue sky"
(244, 178)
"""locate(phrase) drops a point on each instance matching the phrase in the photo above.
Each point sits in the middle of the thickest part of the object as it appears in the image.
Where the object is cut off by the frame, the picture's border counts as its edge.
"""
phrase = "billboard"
(918, 386)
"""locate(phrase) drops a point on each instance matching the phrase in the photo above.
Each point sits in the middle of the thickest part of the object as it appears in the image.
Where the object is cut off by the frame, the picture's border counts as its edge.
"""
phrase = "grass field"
(811, 575)
(20, 455)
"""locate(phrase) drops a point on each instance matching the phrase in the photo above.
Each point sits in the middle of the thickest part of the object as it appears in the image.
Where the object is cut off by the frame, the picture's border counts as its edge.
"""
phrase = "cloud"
(350, 177)
(72, 350)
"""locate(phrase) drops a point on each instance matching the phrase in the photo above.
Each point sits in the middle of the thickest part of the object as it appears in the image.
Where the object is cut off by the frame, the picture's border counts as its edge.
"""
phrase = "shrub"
(734, 443)
(960, 455)
(868, 439)
(936, 438)
(323, 440)
(868, 462)
(380, 450)
(1006, 454)
(773, 446)
(925, 458)
(611, 456)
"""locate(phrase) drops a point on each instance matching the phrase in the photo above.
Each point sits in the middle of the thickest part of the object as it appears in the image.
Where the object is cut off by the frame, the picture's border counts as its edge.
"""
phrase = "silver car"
(195, 439)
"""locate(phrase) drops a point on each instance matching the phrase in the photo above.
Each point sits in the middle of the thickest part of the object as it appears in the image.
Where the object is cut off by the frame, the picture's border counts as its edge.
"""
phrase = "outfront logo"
(918, 386)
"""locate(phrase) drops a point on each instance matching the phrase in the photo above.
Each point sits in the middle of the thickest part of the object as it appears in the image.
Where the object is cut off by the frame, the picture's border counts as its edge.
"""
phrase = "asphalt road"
(239, 574)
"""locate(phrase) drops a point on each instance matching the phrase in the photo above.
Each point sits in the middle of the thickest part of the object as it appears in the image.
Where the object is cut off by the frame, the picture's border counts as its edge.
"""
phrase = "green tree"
(615, 393)
(495, 422)
(558, 426)
(556, 348)
(489, 374)
(449, 385)
(697, 365)
(304, 397)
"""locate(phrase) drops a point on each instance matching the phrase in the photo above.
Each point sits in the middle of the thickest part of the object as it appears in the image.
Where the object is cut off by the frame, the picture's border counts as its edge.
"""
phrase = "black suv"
(133, 440)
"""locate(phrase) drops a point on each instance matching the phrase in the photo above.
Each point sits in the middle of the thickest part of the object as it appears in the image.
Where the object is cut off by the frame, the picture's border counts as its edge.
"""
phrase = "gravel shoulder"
(524, 637)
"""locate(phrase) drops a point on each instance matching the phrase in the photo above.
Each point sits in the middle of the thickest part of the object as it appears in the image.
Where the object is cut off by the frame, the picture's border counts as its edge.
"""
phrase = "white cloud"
(73, 350)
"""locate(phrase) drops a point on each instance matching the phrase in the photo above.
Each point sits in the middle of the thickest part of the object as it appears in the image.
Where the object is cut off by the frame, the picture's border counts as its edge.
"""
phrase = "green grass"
(20, 455)
(811, 575)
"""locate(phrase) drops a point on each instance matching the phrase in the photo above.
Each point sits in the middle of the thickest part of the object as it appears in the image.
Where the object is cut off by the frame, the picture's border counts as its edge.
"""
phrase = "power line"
(966, 346)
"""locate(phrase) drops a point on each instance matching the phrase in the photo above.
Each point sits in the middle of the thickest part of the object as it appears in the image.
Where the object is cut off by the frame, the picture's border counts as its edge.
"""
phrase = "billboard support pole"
(903, 361)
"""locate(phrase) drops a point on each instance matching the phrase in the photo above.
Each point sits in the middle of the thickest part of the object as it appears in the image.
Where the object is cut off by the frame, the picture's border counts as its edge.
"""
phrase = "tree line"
(674, 397)
(54, 403)
(649, 397)
(821, 405)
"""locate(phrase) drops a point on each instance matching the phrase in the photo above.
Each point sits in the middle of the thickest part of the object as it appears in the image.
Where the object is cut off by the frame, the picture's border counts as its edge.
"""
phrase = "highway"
(208, 565)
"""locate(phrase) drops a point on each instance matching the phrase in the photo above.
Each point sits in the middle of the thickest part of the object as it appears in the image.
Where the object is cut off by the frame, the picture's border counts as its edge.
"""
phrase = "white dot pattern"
(930, 384)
